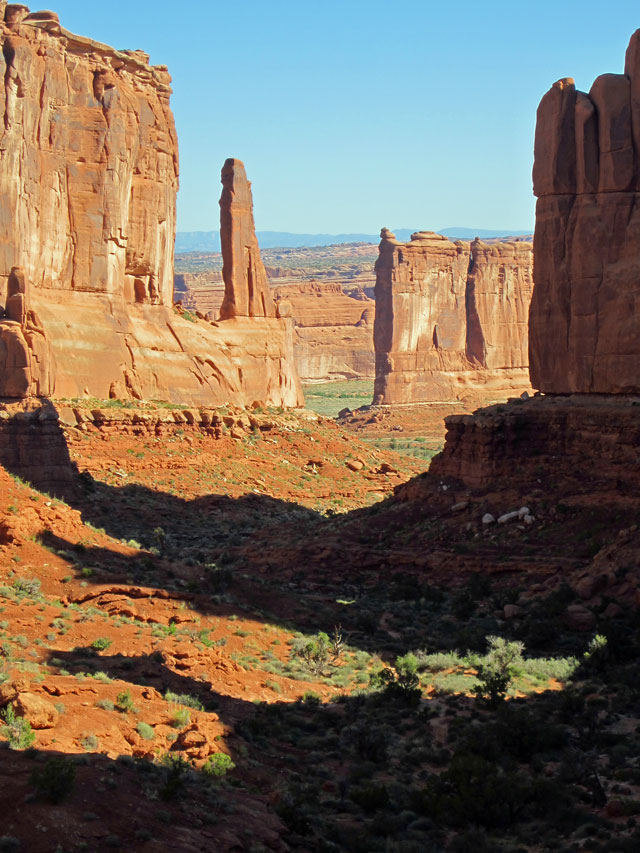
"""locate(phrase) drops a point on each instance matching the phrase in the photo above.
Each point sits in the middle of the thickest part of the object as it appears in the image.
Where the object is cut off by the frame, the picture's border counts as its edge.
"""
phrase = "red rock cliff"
(584, 327)
(88, 181)
(450, 317)
(333, 337)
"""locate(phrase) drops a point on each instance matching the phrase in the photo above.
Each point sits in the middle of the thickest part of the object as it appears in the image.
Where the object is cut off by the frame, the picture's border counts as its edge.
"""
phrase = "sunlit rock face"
(451, 317)
(88, 182)
(584, 325)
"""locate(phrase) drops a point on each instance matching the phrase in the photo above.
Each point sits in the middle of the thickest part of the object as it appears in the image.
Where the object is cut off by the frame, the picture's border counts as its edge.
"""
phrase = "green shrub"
(478, 792)
(17, 730)
(438, 661)
(184, 699)
(496, 671)
(145, 731)
(218, 764)
(55, 779)
(125, 703)
(28, 587)
(90, 743)
(401, 684)
(181, 718)
(101, 644)
(176, 768)
(314, 651)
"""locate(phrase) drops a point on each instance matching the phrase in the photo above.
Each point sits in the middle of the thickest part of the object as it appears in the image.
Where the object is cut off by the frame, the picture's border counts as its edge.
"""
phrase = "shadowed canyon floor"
(238, 589)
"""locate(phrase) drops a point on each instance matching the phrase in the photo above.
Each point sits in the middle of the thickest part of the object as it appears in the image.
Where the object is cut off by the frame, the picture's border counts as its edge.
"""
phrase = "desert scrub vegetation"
(218, 765)
(17, 730)
(55, 780)
(502, 671)
(184, 699)
(329, 398)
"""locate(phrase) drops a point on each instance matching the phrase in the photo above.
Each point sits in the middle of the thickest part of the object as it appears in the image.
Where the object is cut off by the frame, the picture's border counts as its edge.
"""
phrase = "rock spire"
(585, 312)
(246, 289)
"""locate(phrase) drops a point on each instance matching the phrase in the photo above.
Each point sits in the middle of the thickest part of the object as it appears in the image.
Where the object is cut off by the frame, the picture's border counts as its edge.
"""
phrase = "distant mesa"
(89, 171)
(209, 241)
(333, 336)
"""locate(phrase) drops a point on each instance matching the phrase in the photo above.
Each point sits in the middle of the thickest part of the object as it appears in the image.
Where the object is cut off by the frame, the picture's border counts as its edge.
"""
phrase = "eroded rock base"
(587, 437)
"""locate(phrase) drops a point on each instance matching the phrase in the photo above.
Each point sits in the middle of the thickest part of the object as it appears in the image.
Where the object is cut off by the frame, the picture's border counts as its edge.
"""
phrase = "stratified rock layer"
(88, 181)
(584, 326)
(333, 337)
(542, 440)
(450, 317)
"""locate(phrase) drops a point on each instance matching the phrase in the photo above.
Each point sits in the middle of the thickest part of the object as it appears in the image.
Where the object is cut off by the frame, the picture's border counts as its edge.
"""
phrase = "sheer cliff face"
(449, 316)
(88, 181)
(333, 336)
(584, 327)
(89, 165)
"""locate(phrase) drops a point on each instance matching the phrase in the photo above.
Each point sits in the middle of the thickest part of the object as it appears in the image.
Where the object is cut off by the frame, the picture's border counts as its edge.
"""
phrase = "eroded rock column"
(584, 331)
(245, 279)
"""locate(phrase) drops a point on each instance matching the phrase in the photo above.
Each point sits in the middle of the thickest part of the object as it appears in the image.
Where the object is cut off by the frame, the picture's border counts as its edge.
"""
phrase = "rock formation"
(201, 292)
(584, 327)
(333, 336)
(245, 279)
(25, 353)
(450, 317)
(88, 181)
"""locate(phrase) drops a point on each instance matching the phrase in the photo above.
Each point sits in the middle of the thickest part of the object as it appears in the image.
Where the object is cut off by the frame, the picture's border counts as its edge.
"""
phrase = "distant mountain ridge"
(209, 241)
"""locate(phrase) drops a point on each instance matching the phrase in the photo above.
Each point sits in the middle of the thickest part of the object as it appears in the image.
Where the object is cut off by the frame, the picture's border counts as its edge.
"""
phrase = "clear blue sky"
(355, 114)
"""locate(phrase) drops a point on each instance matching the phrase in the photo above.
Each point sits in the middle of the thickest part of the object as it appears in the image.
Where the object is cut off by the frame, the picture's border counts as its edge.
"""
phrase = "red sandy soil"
(81, 595)
(158, 639)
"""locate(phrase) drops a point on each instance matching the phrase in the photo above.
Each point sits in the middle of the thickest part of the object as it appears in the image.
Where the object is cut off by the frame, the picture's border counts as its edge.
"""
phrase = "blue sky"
(362, 113)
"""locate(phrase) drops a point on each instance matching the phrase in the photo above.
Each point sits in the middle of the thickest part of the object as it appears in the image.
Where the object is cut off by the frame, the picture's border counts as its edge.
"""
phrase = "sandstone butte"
(451, 318)
(584, 325)
(88, 182)
(333, 336)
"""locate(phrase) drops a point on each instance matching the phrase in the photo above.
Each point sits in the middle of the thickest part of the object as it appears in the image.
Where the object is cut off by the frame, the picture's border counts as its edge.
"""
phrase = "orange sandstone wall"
(88, 181)
(333, 336)
(584, 326)
(451, 317)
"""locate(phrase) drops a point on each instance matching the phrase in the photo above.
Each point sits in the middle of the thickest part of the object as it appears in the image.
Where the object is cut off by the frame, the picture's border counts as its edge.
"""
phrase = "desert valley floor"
(269, 633)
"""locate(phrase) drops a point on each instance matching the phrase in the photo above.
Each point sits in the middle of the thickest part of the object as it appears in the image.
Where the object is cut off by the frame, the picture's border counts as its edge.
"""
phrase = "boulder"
(38, 711)
(579, 618)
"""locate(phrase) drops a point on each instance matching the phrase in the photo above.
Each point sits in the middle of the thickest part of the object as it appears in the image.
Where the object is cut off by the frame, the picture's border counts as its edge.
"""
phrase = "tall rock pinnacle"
(245, 279)
(584, 327)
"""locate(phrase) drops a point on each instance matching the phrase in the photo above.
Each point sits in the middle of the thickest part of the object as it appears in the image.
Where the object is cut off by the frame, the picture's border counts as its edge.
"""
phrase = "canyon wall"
(201, 292)
(333, 335)
(451, 318)
(584, 323)
(88, 181)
